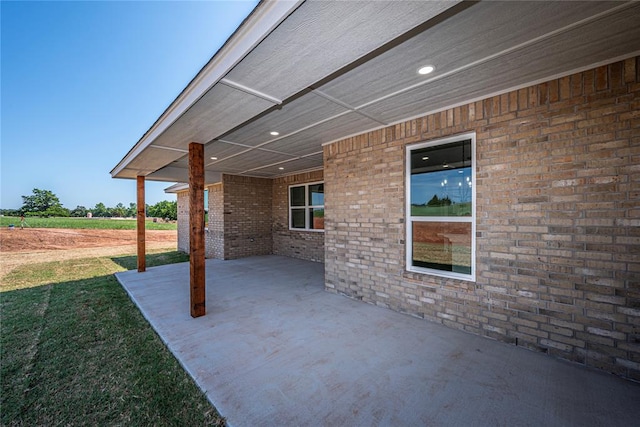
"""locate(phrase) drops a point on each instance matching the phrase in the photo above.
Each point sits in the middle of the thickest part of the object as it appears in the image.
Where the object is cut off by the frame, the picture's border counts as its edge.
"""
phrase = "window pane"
(297, 218)
(317, 218)
(444, 193)
(316, 195)
(441, 180)
(297, 196)
(442, 246)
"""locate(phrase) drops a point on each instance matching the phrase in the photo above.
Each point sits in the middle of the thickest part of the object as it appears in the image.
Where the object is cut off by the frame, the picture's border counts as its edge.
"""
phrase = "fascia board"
(176, 188)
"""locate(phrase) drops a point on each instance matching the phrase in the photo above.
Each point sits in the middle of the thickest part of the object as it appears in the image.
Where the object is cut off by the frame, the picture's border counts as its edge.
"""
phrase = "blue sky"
(81, 82)
(445, 183)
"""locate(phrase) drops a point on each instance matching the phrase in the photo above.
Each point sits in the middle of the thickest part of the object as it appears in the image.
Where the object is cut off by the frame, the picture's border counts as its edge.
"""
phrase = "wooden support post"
(142, 262)
(196, 226)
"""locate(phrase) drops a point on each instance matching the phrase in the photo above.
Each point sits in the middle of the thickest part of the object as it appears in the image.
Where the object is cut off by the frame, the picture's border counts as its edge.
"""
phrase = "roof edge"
(266, 16)
(176, 188)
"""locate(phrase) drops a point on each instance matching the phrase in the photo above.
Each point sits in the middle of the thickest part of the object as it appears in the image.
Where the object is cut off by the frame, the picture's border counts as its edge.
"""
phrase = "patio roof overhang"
(316, 72)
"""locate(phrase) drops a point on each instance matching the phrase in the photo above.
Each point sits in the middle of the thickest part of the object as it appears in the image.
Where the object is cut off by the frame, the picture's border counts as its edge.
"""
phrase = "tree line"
(45, 203)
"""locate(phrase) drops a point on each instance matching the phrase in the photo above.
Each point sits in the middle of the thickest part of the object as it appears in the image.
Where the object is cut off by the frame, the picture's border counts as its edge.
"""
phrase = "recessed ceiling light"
(274, 133)
(427, 69)
(214, 158)
(281, 168)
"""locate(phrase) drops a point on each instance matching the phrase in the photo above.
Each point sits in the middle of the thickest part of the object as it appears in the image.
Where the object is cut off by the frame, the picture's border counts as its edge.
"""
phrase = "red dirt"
(457, 233)
(37, 245)
(44, 239)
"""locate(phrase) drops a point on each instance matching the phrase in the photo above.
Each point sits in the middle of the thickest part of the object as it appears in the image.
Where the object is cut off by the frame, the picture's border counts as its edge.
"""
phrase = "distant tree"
(164, 209)
(79, 211)
(100, 210)
(151, 211)
(39, 202)
(119, 211)
(435, 201)
(132, 210)
(10, 212)
(58, 211)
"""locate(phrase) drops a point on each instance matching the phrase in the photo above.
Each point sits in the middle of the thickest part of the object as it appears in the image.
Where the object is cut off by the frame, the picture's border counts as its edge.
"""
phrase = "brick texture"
(214, 243)
(249, 216)
(246, 213)
(213, 235)
(558, 216)
(183, 221)
(307, 245)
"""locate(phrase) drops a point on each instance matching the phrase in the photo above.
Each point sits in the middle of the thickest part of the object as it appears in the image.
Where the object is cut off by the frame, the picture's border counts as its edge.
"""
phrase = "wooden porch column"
(196, 229)
(142, 262)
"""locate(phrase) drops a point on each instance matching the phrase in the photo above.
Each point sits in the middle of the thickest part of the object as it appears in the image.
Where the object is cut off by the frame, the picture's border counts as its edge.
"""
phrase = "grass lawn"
(76, 351)
(95, 223)
(456, 209)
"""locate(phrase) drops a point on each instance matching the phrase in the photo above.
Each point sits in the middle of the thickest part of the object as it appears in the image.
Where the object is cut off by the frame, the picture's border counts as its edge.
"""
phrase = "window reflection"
(442, 246)
(441, 213)
(316, 195)
(441, 182)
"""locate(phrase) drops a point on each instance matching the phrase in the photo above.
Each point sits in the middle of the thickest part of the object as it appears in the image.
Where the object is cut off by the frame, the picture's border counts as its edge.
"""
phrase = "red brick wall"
(307, 245)
(558, 216)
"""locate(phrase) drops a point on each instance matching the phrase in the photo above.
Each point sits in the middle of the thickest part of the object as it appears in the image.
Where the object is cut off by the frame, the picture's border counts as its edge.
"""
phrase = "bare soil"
(33, 245)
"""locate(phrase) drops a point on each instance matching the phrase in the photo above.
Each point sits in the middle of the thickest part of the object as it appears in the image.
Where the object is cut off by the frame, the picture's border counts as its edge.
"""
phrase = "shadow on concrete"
(130, 262)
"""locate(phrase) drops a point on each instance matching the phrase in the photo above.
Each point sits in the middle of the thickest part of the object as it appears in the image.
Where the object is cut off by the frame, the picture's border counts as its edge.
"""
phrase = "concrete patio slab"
(276, 349)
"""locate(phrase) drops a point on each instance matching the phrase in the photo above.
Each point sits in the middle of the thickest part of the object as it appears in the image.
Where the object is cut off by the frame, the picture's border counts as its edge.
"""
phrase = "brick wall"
(214, 239)
(183, 221)
(307, 245)
(247, 216)
(558, 216)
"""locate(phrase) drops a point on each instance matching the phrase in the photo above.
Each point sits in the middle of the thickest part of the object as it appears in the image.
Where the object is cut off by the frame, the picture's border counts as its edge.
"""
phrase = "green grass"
(93, 223)
(76, 351)
(457, 209)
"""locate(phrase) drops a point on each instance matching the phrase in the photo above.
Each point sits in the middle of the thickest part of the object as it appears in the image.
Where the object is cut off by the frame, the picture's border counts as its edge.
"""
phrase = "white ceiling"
(334, 69)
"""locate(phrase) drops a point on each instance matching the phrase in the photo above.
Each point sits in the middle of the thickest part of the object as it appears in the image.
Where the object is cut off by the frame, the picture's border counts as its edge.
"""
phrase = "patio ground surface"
(275, 349)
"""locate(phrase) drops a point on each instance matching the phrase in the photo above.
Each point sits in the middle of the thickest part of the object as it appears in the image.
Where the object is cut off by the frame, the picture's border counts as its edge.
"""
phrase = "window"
(306, 207)
(441, 207)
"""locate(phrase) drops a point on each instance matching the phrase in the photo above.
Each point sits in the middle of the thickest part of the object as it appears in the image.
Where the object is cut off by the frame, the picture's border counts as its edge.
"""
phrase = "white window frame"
(409, 220)
(306, 207)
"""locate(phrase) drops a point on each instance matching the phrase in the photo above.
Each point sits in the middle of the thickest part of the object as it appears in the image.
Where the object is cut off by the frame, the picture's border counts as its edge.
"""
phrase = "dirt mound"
(43, 239)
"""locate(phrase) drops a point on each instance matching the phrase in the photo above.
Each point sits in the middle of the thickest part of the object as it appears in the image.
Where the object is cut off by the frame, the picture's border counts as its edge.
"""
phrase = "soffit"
(175, 174)
(334, 69)
(313, 41)
(596, 41)
(220, 109)
(465, 41)
(310, 140)
(321, 37)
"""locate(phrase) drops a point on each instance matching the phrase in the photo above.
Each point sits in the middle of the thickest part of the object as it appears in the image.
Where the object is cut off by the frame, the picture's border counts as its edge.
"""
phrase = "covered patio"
(276, 349)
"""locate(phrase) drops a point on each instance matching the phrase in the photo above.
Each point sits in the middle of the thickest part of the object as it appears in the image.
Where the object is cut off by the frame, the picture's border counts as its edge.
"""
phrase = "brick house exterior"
(250, 216)
(307, 245)
(558, 216)
(557, 223)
